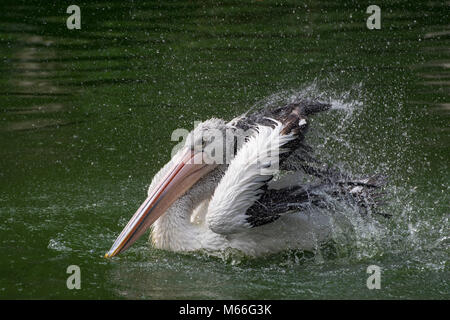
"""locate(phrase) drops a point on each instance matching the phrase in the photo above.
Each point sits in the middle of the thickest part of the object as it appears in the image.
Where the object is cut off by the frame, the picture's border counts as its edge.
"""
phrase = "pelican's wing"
(275, 202)
(245, 179)
(294, 117)
(243, 199)
(256, 162)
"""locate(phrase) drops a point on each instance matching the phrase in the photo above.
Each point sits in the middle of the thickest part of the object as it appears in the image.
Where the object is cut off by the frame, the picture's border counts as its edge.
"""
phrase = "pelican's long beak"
(183, 175)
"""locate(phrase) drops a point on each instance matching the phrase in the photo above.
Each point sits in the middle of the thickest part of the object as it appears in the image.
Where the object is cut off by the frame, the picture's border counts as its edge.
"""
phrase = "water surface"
(86, 118)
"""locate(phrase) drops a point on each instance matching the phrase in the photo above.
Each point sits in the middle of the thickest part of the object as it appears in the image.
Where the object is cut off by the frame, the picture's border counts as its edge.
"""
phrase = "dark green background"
(86, 118)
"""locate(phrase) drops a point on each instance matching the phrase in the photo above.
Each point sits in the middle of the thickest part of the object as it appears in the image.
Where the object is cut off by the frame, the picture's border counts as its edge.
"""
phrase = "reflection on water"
(86, 118)
(30, 77)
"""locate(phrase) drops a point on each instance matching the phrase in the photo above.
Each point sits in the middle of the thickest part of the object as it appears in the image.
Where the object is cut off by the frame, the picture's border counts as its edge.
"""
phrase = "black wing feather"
(275, 202)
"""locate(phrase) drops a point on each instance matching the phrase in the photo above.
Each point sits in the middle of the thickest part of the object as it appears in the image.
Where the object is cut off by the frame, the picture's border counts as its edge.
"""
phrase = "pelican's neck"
(174, 229)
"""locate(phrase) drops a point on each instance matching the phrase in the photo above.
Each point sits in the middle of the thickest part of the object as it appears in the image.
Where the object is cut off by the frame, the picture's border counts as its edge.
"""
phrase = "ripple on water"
(58, 245)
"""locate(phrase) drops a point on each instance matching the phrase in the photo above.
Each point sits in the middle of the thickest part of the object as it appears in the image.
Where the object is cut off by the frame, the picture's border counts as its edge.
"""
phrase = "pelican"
(255, 200)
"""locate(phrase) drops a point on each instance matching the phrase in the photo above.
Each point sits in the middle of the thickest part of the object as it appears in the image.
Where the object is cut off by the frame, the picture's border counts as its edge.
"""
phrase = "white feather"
(255, 163)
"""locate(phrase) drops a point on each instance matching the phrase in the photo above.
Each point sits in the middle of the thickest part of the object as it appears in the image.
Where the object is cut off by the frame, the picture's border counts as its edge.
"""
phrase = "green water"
(86, 118)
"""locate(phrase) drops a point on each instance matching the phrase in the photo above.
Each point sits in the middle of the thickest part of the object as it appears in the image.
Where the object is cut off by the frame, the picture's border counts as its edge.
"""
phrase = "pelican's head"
(206, 147)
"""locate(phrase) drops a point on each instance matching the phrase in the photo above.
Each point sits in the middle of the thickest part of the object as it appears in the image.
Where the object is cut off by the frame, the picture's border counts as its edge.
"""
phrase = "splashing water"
(332, 137)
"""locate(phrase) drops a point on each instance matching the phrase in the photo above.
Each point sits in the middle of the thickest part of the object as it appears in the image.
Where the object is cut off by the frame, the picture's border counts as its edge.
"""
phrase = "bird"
(241, 185)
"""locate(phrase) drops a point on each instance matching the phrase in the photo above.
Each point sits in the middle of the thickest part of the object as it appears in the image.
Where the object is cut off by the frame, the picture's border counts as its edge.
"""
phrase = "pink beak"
(180, 178)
